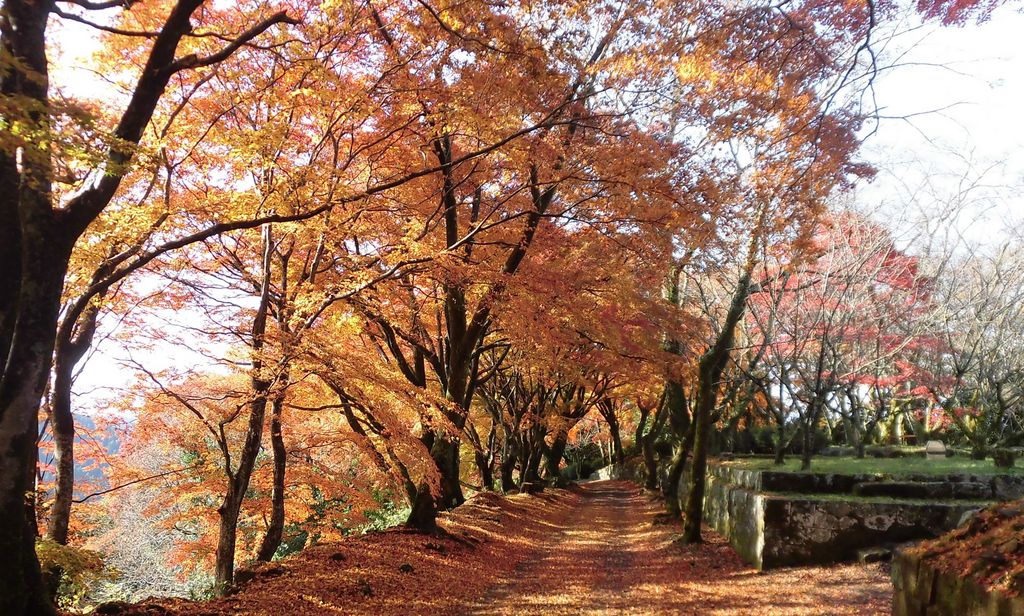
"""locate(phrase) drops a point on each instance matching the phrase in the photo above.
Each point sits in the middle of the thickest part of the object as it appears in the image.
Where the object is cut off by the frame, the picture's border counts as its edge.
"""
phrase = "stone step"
(874, 554)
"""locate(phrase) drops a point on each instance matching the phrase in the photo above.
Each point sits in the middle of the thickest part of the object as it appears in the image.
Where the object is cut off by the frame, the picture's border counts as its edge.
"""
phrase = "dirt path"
(589, 550)
(607, 557)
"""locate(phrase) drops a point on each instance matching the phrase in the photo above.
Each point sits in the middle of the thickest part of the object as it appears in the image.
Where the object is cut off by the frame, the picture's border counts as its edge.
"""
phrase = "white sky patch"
(953, 129)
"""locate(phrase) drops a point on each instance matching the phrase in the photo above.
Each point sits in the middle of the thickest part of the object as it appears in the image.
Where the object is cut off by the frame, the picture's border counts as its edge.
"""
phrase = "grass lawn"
(883, 466)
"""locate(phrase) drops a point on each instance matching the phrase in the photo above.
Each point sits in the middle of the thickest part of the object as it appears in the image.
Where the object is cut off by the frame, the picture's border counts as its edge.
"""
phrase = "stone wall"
(957, 485)
(801, 531)
(776, 519)
(777, 530)
(920, 590)
(738, 513)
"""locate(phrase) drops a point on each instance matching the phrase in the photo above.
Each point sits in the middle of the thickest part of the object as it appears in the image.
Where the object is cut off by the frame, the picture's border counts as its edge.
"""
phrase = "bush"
(79, 570)
(388, 515)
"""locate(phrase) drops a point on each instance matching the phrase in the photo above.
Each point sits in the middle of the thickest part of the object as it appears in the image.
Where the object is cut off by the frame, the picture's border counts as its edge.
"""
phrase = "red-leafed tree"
(833, 327)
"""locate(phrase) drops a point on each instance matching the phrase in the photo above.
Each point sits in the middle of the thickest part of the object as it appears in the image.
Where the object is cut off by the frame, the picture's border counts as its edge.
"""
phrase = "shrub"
(79, 570)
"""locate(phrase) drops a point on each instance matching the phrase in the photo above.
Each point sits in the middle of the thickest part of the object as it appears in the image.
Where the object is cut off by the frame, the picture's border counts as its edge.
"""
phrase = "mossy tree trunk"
(647, 444)
(709, 373)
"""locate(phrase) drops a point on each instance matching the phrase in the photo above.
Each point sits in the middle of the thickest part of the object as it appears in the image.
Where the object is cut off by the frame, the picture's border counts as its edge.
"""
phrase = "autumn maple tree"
(428, 245)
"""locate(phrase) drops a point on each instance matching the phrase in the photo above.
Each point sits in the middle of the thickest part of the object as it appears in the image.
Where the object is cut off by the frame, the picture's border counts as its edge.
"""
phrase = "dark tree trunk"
(483, 464)
(695, 497)
(553, 455)
(238, 483)
(238, 479)
(22, 387)
(36, 252)
(710, 369)
(808, 435)
(529, 478)
(650, 466)
(426, 506)
(805, 455)
(647, 442)
(423, 515)
(224, 564)
(73, 340)
(860, 436)
(638, 435)
(451, 487)
(650, 463)
(675, 473)
(679, 420)
(62, 425)
(617, 452)
(508, 466)
(275, 530)
(780, 442)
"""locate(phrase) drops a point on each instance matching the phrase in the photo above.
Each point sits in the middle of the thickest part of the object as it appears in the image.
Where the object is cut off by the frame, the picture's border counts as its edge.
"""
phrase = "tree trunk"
(483, 464)
(780, 440)
(62, 425)
(224, 565)
(698, 472)
(681, 424)
(423, 515)
(638, 435)
(647, 443)
(426, 506)
(808, 436)
(531, 470)
(451, 487)
(73, 340)
(857, 432)
(805, 455)
(675, 473)
(275, 530)
(554, 454)
(238, 480)
(238, 484)
(24, 381)
(619, 456)
(650, 465)
(36, 253)
(508, 466)
(710, 369)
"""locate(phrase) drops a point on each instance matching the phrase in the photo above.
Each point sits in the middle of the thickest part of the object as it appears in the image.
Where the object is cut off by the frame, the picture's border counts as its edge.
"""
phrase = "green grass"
(883, 466)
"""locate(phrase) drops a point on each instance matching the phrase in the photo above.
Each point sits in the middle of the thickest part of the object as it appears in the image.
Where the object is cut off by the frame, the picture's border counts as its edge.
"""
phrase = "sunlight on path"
(606, 557)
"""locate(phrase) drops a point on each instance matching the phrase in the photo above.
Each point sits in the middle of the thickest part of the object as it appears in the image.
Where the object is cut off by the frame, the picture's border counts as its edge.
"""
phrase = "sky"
(950, 129)
(951, 124)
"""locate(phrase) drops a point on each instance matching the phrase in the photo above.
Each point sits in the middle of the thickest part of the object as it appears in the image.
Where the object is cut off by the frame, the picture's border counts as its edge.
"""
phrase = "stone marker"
(935, 450)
